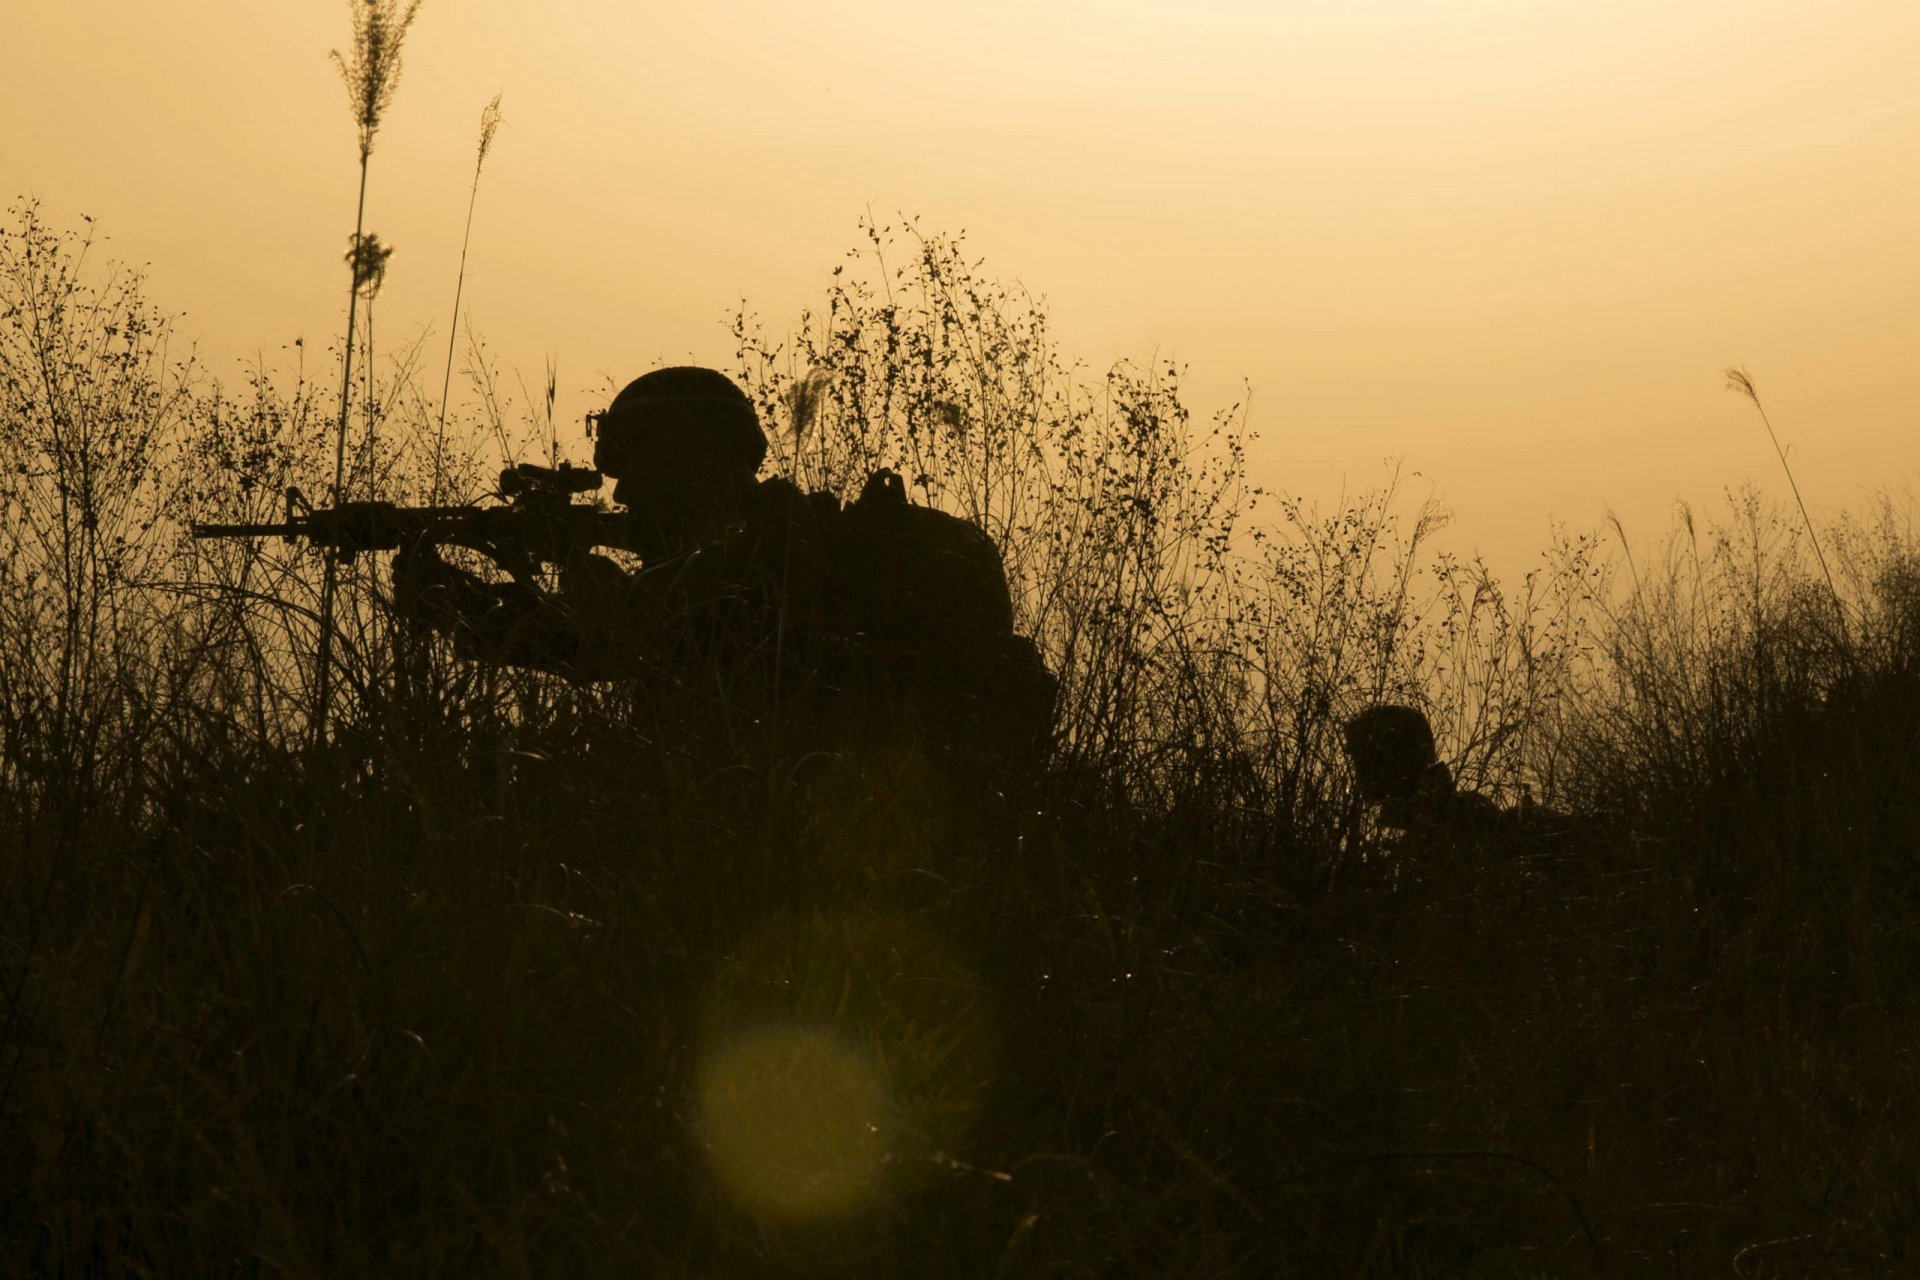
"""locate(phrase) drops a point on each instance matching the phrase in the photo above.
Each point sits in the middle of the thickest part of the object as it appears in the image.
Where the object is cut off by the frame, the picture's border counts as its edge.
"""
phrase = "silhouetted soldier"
(881, 611)
(1395, 767)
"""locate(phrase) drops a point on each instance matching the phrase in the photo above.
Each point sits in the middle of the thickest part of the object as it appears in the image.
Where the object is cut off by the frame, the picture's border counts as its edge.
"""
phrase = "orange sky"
(1513, 243)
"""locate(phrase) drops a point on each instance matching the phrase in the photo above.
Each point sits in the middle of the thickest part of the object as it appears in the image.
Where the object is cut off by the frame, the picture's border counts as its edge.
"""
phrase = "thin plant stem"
(1739, 380)
(323, 678)
(453, 334)
(370, 74)
(489, 121)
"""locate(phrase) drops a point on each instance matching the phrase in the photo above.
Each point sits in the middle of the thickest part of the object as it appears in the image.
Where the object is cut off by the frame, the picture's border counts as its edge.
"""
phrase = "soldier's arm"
(428, 589)
(629, 622)
(513, 623)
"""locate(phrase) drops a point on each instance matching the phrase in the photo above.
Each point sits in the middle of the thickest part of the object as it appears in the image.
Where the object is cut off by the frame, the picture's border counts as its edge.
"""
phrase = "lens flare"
(795, 1123)
(843, 1059)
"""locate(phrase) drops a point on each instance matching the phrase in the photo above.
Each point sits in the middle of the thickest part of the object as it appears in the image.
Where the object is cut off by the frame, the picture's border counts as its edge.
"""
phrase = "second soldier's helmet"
(1392, 750)
(670, 417)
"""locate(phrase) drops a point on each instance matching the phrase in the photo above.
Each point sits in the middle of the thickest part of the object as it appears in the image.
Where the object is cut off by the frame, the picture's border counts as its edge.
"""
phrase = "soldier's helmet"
(683, 445)
(673, 417)
(1392, 750)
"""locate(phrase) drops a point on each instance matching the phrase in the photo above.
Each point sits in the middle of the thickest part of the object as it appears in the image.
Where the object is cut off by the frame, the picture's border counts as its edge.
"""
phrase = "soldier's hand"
(590, 573)
(418, 569)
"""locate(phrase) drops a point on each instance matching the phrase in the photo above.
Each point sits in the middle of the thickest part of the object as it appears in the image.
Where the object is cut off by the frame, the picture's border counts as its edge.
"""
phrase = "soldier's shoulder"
(775, 491)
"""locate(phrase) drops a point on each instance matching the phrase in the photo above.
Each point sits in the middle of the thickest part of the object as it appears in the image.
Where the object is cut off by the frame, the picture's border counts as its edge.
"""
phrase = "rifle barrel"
(368, 526)
(281, 530)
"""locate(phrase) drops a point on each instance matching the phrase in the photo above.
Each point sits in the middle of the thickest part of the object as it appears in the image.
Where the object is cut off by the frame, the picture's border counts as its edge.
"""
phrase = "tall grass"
(490, 120)
(507, 976)
(370, 69)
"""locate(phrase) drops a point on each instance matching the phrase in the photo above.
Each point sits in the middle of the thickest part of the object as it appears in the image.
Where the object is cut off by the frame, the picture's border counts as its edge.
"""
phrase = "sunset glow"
(1512, 243)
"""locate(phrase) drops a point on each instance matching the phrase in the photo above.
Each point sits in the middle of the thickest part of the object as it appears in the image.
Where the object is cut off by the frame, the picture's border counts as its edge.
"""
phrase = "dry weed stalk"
(371, 72)
(490, 120)
(1741, 381)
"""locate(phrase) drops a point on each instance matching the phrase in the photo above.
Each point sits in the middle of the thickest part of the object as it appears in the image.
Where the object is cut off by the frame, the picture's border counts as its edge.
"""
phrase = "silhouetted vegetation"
(503, 975)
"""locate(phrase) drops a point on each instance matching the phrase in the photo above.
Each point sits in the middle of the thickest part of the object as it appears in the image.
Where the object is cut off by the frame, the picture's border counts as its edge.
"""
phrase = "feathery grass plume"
(368, 259)
(1741, 381)
(371, 72)
(490, 121)
(553, 392)
(803, 401)
(550, 393)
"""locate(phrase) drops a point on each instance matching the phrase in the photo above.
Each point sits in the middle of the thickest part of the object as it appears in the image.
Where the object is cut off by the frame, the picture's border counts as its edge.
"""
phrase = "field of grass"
(502, 976)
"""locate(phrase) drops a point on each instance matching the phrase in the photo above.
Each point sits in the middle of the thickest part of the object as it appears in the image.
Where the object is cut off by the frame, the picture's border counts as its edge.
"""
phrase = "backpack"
(918, 602)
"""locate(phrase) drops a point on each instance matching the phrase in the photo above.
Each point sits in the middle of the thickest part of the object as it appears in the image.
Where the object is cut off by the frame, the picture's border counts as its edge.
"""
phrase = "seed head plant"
(367, 256)
(1738, 380)
(490, 121)
(371, 72)
(368, 259)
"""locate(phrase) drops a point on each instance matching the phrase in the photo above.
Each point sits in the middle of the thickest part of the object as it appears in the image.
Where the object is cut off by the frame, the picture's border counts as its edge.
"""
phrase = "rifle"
(538, 522)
